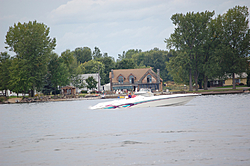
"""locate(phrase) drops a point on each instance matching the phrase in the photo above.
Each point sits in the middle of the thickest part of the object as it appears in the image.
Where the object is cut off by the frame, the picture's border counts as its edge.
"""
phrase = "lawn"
(231, 86)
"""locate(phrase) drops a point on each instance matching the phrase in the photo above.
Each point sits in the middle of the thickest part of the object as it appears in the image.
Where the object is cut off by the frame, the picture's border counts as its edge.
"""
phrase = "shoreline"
(19, 100)
(212, 92)
(224, 92)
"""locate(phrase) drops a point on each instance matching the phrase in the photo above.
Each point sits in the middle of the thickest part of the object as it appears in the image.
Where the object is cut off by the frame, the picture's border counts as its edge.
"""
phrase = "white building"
(96, 77)
(106, 87)
(10, 93)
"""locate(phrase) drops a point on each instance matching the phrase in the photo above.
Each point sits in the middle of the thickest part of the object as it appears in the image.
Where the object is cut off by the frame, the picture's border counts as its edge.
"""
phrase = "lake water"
(209, 130)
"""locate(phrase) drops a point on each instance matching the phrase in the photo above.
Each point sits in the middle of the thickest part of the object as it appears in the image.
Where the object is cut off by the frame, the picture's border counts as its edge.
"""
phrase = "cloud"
(7, 17)
(112, 25)
(88, 11)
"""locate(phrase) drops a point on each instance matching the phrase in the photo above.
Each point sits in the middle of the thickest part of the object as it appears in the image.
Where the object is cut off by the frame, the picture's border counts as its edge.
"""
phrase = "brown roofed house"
(132, 79)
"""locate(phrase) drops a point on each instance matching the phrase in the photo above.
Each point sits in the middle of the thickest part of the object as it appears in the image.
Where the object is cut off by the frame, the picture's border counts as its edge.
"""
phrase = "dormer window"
(120, 79)
(131, 79)
(149, 79)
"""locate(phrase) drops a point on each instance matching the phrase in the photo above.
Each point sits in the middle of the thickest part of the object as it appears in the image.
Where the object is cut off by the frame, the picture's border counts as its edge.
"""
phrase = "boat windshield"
(144, 90)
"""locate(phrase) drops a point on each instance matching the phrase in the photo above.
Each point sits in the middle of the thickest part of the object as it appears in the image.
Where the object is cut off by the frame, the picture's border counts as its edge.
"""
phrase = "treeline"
(62, 70)
(36, 67)
(206, 47)
(202, 47)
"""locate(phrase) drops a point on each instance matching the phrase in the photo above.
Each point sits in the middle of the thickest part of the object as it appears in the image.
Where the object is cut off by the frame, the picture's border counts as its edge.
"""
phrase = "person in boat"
(129, 96)
(133, 95)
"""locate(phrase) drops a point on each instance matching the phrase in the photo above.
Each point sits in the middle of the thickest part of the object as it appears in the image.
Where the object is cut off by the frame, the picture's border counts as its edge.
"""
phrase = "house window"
(131, 79)
(149, 79)
(120, 79)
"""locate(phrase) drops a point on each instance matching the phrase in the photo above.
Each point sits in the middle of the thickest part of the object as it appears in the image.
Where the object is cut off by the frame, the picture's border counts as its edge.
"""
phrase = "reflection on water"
(209, 130)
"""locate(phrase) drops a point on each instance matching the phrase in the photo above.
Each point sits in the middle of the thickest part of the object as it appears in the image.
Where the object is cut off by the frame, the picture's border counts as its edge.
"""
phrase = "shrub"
(81, 95)
(2, 98)
(84, 91)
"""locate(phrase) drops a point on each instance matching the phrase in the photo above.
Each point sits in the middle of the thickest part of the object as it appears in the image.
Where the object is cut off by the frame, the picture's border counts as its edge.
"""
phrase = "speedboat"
(147, 101)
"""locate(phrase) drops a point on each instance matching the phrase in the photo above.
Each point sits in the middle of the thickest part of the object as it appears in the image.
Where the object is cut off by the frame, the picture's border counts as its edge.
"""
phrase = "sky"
(113, 26)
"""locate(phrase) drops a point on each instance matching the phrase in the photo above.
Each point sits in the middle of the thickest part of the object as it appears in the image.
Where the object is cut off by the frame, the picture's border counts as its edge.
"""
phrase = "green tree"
(58, 73)
(5, 64)
(121, 56)
(91, 82)
(48, 87)
(125, 64)
(97, 53)
(157, 59)
(83, 54)
(73, 67)
(139, 59)
(32, 45)
(212, 51)
(129, 54)
(178, 68)
(105, 55)
(188, 37)
(109, 63)
(235, 41)
(68, 59)
(19, 78)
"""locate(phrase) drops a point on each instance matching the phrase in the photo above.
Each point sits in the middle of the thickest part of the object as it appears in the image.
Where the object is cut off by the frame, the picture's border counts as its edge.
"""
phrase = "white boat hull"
(142, 101)
(169, 101)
